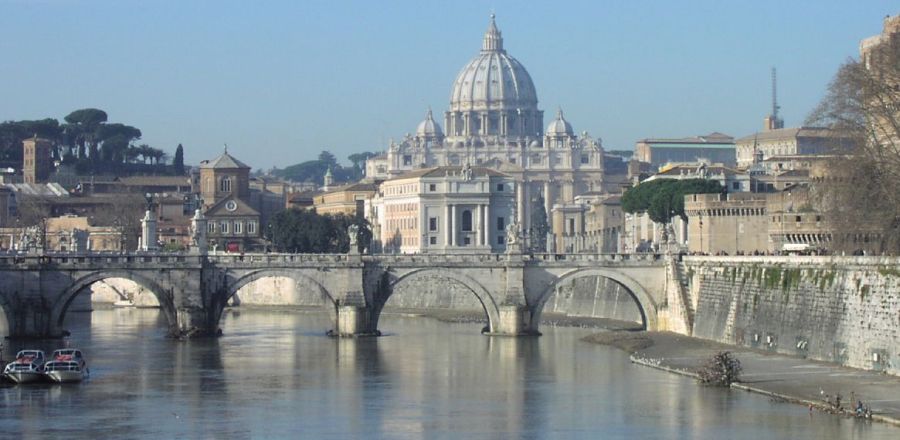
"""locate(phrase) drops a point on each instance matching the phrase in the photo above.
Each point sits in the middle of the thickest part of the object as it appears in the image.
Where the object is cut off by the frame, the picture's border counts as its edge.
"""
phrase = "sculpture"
(512, 233)
(353, 232)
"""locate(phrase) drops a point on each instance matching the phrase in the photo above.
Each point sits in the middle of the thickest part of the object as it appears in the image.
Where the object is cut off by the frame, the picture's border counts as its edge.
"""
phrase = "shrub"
(722, 369)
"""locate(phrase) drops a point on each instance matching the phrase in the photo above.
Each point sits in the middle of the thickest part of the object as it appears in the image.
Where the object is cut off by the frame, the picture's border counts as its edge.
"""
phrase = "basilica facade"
(494, 121)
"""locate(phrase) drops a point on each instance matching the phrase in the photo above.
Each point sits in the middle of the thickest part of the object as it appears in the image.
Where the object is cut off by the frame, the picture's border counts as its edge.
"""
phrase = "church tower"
(37, 163)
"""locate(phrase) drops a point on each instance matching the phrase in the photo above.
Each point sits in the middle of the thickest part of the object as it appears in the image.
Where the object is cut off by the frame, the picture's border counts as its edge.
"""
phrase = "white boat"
(65, 371)
(66, 365)
(28, 367)
(124, 303)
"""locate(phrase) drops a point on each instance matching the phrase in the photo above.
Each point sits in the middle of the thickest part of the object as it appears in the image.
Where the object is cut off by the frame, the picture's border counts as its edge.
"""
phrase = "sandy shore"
(778, 376)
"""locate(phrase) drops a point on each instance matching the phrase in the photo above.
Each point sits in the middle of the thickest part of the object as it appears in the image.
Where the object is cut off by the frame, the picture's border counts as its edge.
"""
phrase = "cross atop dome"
(493, 40)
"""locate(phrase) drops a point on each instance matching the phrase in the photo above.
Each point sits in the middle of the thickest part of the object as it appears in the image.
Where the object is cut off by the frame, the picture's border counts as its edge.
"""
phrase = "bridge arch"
(484, 297)
(645, 304)
(163, 296)
(298, 278)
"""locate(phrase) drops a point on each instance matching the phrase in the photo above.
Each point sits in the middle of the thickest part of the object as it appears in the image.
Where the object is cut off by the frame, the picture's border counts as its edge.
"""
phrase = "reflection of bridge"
(35, 291)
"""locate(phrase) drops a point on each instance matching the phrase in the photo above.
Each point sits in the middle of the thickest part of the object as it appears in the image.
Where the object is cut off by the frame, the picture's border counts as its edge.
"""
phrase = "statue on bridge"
(353, 233)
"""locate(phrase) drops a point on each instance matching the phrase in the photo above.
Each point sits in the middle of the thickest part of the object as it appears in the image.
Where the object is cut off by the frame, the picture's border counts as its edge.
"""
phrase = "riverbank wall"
(844, 310)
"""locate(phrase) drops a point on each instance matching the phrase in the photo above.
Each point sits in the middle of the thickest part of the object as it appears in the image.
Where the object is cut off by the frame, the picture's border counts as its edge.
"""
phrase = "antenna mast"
(774, 95)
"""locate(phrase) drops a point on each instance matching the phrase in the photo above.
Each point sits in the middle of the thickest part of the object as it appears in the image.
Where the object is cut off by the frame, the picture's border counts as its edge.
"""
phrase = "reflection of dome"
(559, 126)
(493, 80)
(429, 128)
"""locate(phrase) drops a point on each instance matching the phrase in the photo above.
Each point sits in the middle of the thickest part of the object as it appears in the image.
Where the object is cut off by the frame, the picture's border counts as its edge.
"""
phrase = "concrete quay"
(779, 376)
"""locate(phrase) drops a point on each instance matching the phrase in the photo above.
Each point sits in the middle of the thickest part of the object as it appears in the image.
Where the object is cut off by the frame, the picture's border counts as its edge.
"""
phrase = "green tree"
(81, 126)
(663, 199)
(178, 161)
(540, 227)
(328, 159)
(305, 231)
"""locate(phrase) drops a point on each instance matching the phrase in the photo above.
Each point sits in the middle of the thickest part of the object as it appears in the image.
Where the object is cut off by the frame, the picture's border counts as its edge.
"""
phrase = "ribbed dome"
(559, 126)
(493, 80)
(429, 128)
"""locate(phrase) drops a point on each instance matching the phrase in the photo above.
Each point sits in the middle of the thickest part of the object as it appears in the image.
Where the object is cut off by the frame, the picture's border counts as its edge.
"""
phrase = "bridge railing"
(93, 259)
(279, 258)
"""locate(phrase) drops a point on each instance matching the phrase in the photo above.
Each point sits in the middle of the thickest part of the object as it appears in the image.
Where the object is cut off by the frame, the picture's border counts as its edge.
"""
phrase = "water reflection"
(276, 375)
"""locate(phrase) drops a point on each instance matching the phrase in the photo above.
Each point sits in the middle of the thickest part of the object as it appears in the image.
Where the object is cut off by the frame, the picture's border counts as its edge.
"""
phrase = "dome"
(493, 80)
(429, 128)
(559, 126)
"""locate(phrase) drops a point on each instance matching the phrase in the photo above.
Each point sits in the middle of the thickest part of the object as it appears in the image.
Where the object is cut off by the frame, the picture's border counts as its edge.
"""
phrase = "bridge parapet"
(98, 261)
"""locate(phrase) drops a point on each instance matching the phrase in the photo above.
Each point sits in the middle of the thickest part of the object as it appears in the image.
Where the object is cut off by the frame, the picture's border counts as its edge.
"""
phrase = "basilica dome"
(559, 126)
(428, 127)
(493, 80)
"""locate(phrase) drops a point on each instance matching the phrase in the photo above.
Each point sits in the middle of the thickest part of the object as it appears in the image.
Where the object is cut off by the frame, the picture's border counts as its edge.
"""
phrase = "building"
(714, 147)
(347, 199)
(234, 224)
(37, 162)
(494, 121)
(732, 223)
(68, 233)
(797, 141)
(444, 209)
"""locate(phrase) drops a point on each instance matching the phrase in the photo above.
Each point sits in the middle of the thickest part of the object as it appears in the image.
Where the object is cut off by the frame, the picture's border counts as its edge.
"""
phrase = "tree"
(722, 369)
(859, 194)
(305, 231)
(81, 126)
(540, 227)
(178, 161)
(328, 159)
(359, 159)
(663, 199)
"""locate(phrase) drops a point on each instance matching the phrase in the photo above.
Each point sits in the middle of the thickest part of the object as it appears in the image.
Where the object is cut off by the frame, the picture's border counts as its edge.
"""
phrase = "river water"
(275, 375)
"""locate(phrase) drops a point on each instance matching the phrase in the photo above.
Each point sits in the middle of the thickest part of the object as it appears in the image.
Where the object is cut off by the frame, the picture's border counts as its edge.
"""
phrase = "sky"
(281, 80)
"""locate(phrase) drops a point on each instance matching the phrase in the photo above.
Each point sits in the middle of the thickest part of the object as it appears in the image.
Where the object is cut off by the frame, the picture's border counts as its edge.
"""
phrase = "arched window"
(467, 220)
(225, 184)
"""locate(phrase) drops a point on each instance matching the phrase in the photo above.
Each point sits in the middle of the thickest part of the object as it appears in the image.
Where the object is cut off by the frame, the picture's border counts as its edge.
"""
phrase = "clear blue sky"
(281, 80)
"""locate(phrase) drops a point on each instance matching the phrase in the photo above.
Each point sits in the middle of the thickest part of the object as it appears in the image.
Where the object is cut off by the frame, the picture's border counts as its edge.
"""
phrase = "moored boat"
(65, 371)
(28, 367)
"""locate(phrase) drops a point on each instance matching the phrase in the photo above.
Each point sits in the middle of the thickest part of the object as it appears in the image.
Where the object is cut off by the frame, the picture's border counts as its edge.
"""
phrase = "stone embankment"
(781, 377)
(844, 310)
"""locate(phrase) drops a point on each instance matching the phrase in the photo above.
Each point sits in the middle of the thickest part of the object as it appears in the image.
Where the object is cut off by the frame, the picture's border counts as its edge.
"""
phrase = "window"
(798, 218)
(500, 187)
(736, 185)
(432, 240)
(225, 184)
(211, 227)
(223, 227)
(501, 223)
(407, 159)
(238, 227)
(432, 224)
(585, 159)
(432, 187)
(467, 220)
(500, 240)
(467, 241)
(251, 227)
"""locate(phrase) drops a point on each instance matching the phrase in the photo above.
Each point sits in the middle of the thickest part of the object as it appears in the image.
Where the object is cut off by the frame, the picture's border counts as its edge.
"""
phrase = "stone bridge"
(193, 290)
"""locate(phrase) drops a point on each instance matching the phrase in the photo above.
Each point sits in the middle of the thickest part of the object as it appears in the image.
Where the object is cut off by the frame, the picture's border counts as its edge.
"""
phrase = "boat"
(65, 371)
(28, 367)
(124, 303)
(66, 365)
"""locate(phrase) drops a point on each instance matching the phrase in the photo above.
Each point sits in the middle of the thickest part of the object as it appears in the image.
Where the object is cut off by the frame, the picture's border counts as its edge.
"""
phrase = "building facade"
(444, 209)
(797, 141)
(37, 163)
(233, 222)
(494, 121)
(714, 147)
(729, 223)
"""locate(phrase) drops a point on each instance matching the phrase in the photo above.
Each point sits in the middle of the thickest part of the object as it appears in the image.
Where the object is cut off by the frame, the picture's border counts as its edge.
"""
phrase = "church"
(494, 121)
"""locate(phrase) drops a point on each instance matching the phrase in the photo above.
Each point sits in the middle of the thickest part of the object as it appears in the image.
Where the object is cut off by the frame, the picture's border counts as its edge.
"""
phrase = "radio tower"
(773, 122)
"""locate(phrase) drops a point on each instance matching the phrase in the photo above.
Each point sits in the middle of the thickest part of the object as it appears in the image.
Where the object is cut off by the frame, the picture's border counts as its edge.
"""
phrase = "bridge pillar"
(513, 320)
(353, 321)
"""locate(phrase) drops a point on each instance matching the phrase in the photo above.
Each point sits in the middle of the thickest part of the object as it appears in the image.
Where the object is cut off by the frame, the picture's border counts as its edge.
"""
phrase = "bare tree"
(859, 193)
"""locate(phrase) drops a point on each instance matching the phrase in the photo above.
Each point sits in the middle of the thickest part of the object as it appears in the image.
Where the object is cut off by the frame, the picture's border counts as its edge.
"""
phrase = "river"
(276, 375)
